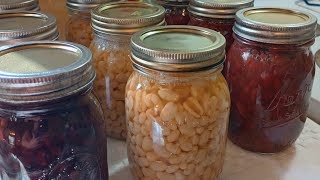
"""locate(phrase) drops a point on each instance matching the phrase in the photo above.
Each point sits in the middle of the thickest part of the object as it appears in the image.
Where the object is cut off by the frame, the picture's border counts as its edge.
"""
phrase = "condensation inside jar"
(36, 60)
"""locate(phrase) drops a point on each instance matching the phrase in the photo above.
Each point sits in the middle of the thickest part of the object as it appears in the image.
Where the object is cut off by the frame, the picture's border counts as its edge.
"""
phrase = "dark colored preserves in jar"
(217, 15)
(224, 26)
(176, 12)
(51, 124)
(60, 140)
(270, 77)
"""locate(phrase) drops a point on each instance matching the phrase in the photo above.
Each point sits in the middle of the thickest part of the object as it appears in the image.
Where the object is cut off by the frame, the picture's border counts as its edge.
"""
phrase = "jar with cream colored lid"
(27, 26)
(270, 70)
(113, 25)
(78, 27)
(177, 104)
(50, 120)
(19, 5)
(218, 15)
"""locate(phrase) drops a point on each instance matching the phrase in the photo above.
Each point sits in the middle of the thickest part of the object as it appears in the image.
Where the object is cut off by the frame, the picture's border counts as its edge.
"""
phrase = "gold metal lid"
(126, 17)
(46, 70)
(222, 9)
(178, 48)
(84, 5)
(19, 5)
(275, 25)
(26, 26)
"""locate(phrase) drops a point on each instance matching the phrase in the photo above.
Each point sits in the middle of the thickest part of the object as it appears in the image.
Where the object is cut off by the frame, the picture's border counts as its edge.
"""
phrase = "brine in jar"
(270, 72)
(177, 104)
(110, 49)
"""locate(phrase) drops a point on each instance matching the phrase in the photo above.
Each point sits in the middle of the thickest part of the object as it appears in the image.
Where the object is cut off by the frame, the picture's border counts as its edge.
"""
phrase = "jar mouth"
(26, 26)
(178, 48)
(37, 79)
(126, 17)
(275, 25)
(219, 10)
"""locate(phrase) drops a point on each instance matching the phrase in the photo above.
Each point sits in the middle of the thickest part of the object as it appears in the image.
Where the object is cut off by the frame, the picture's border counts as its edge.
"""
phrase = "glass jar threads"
(176, 11)
(19, 5)
(78, 27)
(177, 104)
(113, 25)
(217, 15)
(50, 120)
(26, 26)
(270, 71)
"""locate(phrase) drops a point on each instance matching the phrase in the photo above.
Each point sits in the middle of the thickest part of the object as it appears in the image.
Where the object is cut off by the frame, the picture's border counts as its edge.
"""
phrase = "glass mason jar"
(50, 122)
(217, 15)
(270, 71)
(78, 28)
(19, 5)
(113, 25)
(27, 26)
(177, 104)
(176, 11)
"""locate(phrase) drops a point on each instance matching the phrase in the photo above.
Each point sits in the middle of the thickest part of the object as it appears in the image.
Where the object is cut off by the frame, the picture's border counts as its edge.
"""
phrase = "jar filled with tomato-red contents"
(218, 15)
(270, 71)
(27, 26)
(50, 122)
(113, 25)
(19, 5)
(177, 104)
(78, 27)
(176, 11)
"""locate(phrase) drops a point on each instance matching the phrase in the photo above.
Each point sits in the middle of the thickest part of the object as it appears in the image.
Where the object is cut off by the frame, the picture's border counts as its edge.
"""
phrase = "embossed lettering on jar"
(177, 104)
(50, 122)
(78, 27)
(270, 71)
(217, 15)
(113, 25)
(176, 11)
(27, 26)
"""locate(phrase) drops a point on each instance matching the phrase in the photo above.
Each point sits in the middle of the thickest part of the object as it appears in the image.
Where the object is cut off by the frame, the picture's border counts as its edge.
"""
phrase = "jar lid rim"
(21, 5)
(188, 48)
(32, 26)
(259, 24)
(49, 84)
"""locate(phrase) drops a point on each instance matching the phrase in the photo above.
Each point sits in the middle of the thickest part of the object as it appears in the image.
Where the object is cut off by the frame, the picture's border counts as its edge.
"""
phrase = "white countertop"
(301, 161)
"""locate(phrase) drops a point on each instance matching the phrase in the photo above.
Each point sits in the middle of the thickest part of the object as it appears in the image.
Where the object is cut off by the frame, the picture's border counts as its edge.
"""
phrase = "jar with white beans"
(177, 104)
(113, 25)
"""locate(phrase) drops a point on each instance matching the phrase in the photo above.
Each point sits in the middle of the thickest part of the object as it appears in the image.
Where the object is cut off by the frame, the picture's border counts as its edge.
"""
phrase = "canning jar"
(19, 5)
(78, 27)
(177, 104)
(26, 26)
(270, 71)
(217, 15)
(50, 122)
(176, 11)
(113, 25)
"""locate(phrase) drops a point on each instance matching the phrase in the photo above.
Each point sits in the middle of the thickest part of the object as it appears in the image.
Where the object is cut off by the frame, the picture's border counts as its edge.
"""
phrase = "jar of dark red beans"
(49, 119)
(217, 15)
(270, 71)
(176, 11)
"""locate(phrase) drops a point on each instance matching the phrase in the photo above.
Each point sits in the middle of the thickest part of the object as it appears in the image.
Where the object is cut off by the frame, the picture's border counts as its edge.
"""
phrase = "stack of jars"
(159, 87)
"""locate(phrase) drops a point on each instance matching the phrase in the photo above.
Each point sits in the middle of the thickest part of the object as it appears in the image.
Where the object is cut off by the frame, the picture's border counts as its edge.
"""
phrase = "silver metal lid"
(178, 48)
(19, 5)
(275, 25)
(47, 70)
(223, 9)
(126, 17)
(84, 5)
(26, 26)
